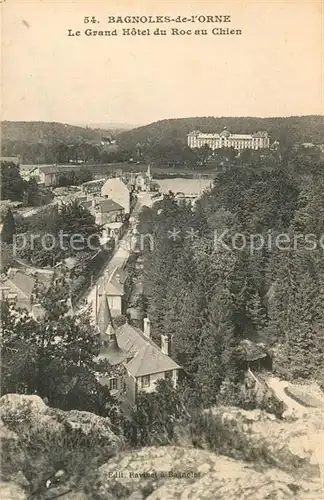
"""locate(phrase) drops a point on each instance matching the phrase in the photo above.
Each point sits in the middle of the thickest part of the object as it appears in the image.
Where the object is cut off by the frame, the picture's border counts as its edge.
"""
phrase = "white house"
(116, 190)
(138, 361)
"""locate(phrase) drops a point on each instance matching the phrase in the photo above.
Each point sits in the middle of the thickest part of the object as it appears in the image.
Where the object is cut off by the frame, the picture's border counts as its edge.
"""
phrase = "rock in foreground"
(171, 473)
(38, 440)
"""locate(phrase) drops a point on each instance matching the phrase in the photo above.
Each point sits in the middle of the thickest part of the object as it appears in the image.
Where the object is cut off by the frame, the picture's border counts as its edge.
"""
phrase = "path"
(278, 386)
(123, 249)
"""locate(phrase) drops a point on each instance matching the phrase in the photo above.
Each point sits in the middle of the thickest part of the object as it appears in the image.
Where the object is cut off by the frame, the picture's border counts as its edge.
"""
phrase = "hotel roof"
(226, 133)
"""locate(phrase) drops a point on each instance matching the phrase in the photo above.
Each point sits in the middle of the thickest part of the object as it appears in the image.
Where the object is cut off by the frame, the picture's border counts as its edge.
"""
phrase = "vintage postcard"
(162, 250)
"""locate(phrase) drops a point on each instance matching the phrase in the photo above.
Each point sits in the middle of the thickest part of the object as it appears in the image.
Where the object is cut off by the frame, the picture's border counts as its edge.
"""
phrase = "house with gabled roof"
(140, 360)
(20, 290)
(116, 190)
(109, 214)
(115, 288)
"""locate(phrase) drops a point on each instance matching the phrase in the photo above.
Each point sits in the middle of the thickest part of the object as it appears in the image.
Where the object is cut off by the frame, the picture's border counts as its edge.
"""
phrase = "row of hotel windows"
(236, 144)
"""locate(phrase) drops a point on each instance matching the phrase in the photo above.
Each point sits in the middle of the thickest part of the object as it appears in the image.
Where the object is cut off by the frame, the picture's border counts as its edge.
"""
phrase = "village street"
(122, 251)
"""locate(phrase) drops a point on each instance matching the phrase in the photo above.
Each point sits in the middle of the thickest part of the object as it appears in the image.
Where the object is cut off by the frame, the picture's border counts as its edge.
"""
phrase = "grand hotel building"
(225, 139)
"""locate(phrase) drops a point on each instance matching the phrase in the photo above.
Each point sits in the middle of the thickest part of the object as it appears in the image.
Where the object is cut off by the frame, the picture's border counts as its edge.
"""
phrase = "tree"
(12, 184)
(53, 357)
(156, 416)
(216, 339)
(79, 228)
(203, 154)
(71, 231)
(257, 314)
(8, 224)
(300, 316)
(32, 193)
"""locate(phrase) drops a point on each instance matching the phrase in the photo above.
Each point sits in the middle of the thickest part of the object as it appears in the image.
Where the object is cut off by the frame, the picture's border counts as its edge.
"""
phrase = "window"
(145, 381)
(168, 375)
(12, 298)
(113, 384)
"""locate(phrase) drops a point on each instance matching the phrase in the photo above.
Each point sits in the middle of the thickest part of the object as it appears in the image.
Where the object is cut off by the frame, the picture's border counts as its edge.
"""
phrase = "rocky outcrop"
(258, 436)
(37, 440)
(75, 455)
(171, 473)
(12, 491)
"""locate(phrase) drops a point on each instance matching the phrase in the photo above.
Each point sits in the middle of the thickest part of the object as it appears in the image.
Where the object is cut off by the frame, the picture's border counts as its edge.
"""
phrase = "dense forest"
(300, 129)
(210, 293)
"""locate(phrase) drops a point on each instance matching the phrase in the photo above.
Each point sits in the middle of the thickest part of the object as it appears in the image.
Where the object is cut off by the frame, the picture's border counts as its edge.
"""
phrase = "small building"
(113, 230)
(16, 160)
(143, 182)
(255, 355)
(19, 289)
(115, 189)
(109, 351)
(148, 363)
(137, 362)
(115, 288)
(49, 175)
(109, 215)
(105, 210)
(22, 286)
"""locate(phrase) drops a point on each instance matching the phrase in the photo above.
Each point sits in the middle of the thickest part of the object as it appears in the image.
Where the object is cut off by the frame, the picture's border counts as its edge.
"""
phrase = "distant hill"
(114, 127)
(48, 132)
(297, 128)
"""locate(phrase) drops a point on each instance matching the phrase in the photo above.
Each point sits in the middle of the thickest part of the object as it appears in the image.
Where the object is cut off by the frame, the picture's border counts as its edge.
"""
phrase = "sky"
(275, 68)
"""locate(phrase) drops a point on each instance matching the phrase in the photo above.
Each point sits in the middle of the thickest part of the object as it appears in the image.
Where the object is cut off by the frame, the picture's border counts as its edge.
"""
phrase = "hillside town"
(126, 297)
(108, 281)
(161, 240)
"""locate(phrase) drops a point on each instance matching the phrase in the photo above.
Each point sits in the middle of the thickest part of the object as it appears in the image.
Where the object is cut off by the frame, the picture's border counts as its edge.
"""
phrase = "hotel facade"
(259, 140)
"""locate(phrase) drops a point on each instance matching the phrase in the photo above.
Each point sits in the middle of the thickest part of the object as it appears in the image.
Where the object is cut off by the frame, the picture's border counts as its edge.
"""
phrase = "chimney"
(147, 327)
(165, 344)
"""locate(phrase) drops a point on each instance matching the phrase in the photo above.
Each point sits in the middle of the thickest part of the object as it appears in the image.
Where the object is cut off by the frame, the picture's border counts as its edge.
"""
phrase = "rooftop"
(115, 183)
(252, 351)
(147, 357)
(115, 283)
(108, 205)
(105, 205)
(19, 283)
(129, 343)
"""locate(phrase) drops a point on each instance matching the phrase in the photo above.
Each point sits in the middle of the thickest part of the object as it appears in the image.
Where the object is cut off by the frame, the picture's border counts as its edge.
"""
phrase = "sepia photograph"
(162, 250)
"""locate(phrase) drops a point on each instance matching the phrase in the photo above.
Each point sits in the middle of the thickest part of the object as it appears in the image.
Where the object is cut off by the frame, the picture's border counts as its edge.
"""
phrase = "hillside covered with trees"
(163, 142)
(209, 289)
(51, 142)
(298, 128)
(34, 132)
